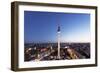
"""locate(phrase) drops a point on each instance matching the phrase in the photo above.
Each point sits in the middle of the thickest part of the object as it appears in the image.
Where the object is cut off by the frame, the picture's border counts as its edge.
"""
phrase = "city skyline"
(42, 26)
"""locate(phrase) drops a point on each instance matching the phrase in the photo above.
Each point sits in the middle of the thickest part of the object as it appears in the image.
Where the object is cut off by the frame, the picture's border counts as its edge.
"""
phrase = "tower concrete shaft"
(58, 45)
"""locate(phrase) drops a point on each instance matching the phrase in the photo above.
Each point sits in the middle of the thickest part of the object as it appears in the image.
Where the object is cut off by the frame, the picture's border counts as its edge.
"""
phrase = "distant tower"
(58, 34)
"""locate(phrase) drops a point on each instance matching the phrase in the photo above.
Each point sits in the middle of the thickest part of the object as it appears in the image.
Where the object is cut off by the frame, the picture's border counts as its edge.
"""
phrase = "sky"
(42, 27)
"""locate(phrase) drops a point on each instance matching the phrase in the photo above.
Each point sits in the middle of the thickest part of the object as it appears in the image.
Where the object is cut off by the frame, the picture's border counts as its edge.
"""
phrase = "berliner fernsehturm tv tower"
(58, 34)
